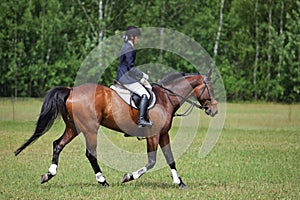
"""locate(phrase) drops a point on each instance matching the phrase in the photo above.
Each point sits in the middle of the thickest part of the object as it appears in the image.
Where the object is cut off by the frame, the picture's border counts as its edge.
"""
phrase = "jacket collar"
(130, 43)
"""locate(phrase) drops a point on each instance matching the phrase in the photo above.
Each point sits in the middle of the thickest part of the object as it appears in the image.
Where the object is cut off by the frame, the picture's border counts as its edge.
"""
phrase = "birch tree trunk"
(162, 20)
(269, 50)
(100, 35)
(16, 55)
(256, 51)
(281, 39)
(219, 30)
(87, 16)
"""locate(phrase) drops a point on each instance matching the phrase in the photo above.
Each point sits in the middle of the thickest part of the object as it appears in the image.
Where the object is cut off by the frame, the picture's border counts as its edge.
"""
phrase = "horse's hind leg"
(91, 154)
(164, 143)
(58, 146)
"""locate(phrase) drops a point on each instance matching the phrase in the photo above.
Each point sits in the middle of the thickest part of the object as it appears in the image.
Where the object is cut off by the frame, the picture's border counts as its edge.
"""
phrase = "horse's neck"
(177, 92)
(184, 87)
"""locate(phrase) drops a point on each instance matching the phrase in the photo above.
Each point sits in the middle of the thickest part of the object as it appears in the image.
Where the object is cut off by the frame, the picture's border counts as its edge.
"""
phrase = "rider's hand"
(145, 76)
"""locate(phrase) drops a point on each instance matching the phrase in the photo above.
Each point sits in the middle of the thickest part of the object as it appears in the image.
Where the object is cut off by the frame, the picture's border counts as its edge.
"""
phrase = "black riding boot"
(143, 111)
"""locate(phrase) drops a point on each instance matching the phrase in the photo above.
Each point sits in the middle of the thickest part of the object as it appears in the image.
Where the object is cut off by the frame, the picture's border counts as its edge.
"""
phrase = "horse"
(85, 107)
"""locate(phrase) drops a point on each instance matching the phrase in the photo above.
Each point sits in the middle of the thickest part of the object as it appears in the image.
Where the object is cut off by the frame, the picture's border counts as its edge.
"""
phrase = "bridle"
(210, 93)
(186, 99)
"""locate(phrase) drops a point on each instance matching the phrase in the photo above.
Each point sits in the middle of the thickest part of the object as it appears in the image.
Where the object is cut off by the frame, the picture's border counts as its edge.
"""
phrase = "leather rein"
(192, 103)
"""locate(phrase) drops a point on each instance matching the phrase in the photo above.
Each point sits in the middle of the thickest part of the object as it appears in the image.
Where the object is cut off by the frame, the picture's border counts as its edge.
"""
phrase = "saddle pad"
(126, 96)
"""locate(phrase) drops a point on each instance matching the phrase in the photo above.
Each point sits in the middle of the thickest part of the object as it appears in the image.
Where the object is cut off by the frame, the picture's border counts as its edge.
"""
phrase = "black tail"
(54, 103)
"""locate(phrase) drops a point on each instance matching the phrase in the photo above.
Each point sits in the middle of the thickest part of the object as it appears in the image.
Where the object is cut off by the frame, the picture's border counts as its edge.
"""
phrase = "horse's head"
(180, 86)
(205, 95)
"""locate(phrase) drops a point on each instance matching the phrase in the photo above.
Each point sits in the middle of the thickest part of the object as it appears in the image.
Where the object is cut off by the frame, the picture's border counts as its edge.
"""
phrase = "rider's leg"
(143, 112)
(145, 96)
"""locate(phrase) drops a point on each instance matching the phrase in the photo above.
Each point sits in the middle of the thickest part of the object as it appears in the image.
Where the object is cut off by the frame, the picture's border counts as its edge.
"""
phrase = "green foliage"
(44, 43)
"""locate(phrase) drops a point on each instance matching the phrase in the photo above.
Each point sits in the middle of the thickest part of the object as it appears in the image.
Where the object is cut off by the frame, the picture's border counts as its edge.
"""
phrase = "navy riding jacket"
(127, 73)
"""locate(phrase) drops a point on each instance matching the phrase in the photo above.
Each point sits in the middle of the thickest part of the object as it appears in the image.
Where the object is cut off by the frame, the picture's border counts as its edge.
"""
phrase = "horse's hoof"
(46, 177)
(182, 185)
(126, 178)
(104, 184)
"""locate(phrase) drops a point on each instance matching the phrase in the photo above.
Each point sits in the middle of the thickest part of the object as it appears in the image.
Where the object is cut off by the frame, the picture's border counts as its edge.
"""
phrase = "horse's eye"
(207, 103)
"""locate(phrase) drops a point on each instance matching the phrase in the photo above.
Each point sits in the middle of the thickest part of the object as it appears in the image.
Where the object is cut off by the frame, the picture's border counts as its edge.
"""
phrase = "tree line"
(254, 43)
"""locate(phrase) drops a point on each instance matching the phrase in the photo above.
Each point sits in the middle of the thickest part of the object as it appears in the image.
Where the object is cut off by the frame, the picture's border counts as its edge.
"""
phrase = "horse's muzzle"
(211, 112)
(213, 109)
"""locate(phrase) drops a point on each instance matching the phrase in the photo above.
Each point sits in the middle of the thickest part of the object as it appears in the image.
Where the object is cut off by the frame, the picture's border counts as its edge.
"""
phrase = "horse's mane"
(171, 77)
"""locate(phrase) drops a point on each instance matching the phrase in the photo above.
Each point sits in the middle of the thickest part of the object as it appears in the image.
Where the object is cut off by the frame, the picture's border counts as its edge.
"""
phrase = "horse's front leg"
(91, 154)
(152, 144)
(164, 143)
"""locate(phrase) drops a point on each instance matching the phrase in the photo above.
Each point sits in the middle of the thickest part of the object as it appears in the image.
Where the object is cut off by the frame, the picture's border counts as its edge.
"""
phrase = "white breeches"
(138, 89)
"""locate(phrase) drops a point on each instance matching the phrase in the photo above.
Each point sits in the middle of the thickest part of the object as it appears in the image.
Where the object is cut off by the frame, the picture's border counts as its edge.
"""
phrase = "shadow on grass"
(130, 185)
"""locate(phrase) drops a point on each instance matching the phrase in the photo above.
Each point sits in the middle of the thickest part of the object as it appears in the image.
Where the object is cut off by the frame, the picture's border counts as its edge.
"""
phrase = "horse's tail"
(54, 103)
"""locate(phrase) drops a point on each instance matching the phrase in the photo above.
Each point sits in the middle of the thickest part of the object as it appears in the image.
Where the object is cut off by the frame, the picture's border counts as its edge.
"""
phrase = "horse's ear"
(208, 74)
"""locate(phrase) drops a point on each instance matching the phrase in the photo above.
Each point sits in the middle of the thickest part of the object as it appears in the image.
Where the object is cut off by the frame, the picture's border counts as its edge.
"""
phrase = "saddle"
(131, 98)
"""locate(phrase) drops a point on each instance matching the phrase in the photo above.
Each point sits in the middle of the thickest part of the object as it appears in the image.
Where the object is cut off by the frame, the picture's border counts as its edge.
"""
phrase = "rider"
(131, 77)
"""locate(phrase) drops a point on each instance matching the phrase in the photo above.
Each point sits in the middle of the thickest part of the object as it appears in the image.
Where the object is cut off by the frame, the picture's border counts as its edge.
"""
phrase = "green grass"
(257, 157)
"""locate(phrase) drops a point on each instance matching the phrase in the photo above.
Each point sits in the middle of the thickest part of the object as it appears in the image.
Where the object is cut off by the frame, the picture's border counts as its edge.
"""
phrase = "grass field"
(257, 157)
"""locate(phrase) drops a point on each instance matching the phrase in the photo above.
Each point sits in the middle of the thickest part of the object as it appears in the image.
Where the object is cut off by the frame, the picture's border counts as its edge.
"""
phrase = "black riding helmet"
(131, 31)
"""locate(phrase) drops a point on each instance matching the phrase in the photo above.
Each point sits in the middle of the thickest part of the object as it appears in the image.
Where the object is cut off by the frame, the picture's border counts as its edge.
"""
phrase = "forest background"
(254, 43)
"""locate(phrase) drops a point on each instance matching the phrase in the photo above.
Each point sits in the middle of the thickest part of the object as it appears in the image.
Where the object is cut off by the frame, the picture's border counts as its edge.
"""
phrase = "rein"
(192, 103)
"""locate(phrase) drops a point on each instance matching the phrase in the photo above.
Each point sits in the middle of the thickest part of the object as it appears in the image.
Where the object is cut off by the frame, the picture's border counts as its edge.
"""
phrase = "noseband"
(210, 93)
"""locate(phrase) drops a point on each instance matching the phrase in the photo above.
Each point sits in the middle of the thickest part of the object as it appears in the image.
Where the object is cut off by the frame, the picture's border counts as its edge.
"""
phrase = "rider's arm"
(130, 58)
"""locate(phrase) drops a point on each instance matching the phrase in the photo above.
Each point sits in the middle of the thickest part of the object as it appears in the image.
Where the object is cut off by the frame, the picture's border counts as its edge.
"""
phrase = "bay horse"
(84, 108)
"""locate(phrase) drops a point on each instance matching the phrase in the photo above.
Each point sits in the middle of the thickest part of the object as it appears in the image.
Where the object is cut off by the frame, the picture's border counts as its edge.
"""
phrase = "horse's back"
(87, 91)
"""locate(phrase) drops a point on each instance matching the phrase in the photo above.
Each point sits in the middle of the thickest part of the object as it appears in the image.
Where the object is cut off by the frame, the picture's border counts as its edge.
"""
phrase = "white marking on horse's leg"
(139, 173)
(175, 176)
(53, 169)
(100, 178)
